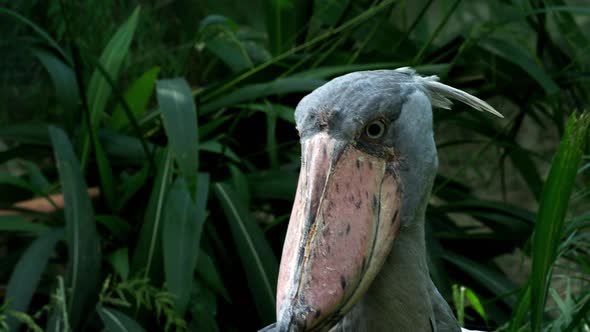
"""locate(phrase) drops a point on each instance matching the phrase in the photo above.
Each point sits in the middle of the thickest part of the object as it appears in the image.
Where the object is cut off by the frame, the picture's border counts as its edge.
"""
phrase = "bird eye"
(375, 129)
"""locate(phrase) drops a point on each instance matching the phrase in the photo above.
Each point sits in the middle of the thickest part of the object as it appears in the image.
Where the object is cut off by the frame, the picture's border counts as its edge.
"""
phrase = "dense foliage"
(145, 116)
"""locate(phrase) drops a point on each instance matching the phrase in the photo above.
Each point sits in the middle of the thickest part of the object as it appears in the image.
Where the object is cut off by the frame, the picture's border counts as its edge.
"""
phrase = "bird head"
(368, 160)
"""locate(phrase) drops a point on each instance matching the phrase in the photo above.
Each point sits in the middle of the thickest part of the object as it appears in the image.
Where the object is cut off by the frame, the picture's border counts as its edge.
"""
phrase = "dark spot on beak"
(358, 204)
(347, 229)
(342, 282)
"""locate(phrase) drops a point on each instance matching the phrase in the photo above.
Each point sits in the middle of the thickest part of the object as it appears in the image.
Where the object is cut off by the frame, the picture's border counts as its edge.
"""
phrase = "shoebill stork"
(354, 257)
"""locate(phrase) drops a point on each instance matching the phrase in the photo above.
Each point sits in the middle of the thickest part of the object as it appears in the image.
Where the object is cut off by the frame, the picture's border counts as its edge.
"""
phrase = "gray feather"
(440, 94)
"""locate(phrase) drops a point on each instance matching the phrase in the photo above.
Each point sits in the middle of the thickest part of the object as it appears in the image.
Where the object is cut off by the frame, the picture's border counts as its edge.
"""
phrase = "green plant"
(187, 229)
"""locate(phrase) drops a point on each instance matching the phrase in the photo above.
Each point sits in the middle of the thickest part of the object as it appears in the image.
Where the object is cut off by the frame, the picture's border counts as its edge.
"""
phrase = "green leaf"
(459, 302)
(255, 91)
(280, 22)
(81, 236)
(580, 315)
(105, 172)
(36, 177)
(202, 196)
(257, 257)
(203, 308)
(7, 178)
(124, 148)
(274, 184)
(117, 226)
(64, 82)
(183, 224)
(207, 271)
(220, 37)
(116, 321)
(476, 303)
(527, 168)
(26, 133)
(210, 126)
(99, 90)
(147, 256)
(283, 112)
(119, 260)
(500, 217)
(522, 308)
(131, 184)
(487, 277)
(178, 111)
(326, 13)
(552, 211)
(27, 273)
(217, 147)
(271, 137)
(240, 184)
(137, 97)
(517, 56)
(42, 33)
(20, 223)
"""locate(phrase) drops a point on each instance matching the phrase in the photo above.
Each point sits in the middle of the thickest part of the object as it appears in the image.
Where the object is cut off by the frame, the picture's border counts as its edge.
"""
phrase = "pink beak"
(344, 220)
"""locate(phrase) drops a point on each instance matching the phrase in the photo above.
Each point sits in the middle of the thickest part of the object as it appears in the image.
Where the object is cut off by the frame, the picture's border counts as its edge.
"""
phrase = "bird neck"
(400, 294)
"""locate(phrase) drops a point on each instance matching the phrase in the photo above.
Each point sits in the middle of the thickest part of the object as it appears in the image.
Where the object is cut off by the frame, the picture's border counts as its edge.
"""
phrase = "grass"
(154, 107)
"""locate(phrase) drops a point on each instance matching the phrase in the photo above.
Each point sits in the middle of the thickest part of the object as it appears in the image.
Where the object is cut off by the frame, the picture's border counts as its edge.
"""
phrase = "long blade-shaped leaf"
(81, 236)
(27, 273)
(207, 271)
(137, 96)
(280, 24)
(204, 309)
(111, 59)
(116, 321)
(148, 255)
(42, 33)
(183, 224)
(254, 91)
(552, 210)
(517, 56)
(176, 103)
(64, 82)
(19, 223)
(105, 172)
(257, 258)
(220, 37)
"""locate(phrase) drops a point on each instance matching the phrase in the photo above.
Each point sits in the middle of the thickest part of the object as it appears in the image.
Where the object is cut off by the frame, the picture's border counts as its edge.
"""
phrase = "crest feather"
(440, 94)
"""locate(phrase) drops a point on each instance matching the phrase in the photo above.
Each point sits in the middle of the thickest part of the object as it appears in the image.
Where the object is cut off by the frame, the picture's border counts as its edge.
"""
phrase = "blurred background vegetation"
(180, 113)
